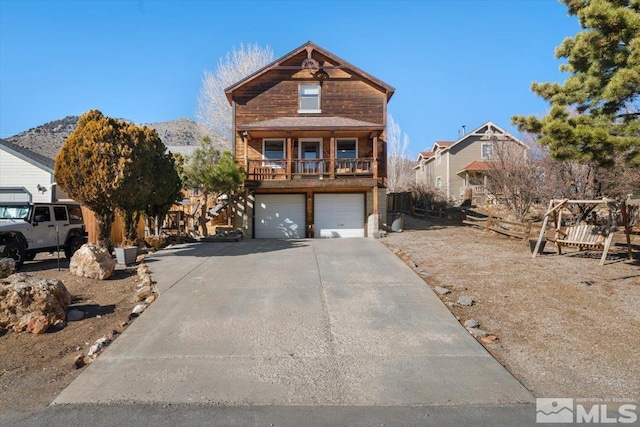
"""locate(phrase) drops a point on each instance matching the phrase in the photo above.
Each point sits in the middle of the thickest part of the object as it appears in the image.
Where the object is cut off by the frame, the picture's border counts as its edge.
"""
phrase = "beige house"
(456, 168)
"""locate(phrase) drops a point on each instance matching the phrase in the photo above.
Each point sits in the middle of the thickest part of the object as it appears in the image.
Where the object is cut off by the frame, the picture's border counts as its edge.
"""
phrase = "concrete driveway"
(307, 322)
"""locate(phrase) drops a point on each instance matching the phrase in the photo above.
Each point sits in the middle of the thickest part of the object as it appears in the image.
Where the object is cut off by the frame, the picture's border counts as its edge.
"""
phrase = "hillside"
(47, 139)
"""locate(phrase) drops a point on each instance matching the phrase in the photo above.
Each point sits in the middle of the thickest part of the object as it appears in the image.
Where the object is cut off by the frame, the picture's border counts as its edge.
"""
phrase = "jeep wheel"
(72, 246)
(29, 255)
(12, 250)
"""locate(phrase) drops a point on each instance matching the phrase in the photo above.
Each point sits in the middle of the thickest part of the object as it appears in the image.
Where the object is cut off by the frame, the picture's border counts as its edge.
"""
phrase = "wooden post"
(542, 230)
(489, 220)
(375, 200)
(246, 152)
(289, 154)
(332, 157)
(627, 228)
(375, 156)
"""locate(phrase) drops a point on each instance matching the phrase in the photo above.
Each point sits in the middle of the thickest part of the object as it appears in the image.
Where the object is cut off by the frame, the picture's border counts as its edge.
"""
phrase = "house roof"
(444, 143)
(427, 153)
(309, 47)
(311, 123)
(476, 166)
(44, 163)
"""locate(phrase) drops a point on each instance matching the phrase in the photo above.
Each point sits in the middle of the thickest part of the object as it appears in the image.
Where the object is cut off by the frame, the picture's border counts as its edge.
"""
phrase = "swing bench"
(581, 236)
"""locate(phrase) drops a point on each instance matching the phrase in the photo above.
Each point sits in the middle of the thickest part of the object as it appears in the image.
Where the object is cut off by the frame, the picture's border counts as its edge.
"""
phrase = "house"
(25, 175)
(458, 169)
(310, 131)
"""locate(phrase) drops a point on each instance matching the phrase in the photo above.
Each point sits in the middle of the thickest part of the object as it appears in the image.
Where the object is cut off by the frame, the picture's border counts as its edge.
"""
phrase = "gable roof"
(476, 166)
(491, 128)
(310, 47)
(38, 160)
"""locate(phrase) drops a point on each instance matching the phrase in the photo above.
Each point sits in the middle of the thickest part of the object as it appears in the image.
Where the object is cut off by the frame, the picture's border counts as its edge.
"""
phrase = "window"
(42, 214)
(273, 149)
(439, 183)
(347, 148)
(487, 150)
(309, 98)
(75, 214)
(60, 213)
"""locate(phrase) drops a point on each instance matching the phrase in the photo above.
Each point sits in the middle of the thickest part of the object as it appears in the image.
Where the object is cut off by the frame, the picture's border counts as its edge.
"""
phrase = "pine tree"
(595, 113)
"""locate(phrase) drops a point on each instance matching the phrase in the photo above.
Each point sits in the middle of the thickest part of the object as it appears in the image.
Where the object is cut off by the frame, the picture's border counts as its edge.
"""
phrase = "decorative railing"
(268, 170)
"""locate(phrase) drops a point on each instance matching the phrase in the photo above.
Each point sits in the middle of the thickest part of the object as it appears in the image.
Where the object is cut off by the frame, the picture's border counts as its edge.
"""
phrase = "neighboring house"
(25, 175)
(310, 131)
(456, 168)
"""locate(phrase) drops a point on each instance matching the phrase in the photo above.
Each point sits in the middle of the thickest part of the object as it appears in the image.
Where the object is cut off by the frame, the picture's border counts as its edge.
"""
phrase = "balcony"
(274, 170)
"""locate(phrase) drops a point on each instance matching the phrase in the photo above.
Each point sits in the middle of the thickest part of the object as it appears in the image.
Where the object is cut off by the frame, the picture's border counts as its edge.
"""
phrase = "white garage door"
(339, 215)
(279, 216)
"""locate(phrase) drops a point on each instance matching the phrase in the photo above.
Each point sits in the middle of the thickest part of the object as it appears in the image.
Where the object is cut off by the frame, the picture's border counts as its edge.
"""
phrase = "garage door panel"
(339, 215)
(280, 216)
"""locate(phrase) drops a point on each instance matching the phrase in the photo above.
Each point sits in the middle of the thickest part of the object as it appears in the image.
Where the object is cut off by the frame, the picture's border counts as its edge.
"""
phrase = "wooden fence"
(117, 228)
(518, 230)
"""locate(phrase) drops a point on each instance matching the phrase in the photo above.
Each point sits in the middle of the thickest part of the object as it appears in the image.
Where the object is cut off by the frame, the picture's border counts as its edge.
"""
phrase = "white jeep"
(29, 228)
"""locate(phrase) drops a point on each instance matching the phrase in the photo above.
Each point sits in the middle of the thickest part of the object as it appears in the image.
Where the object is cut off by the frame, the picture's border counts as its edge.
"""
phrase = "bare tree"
(514, 175)
(213, 110)
(400, 174)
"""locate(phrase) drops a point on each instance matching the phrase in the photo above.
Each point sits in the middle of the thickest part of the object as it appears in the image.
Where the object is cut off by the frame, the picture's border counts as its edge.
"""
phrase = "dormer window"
(486, 150)
(309, 98)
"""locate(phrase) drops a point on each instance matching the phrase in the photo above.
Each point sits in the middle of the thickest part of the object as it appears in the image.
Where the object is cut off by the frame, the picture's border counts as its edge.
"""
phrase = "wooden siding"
(16, 172)
(276, 95)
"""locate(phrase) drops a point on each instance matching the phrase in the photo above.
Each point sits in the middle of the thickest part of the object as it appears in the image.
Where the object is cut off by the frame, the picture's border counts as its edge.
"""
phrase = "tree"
(108, 164)
(89, 167)
(603, 88)
(213, 110)
(400, 175)
(514, 175)
(211, 172)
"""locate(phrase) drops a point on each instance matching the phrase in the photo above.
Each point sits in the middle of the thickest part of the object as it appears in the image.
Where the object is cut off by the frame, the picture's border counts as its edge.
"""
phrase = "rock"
(490, 339)
(441, 290)
(457, 288)
(452, 304)
(29, 303)
(38, 325)
(7, 267)
(111, 335)
(142, 269)
(123, 324)
(471, 323)
(98, 346)
(465, 301)
(146, 280)
(92, 261)
(477, 332)
(151, 298)
(413, 264)
(74, 315)
(139, 308)
(142, 293)
(81, 360)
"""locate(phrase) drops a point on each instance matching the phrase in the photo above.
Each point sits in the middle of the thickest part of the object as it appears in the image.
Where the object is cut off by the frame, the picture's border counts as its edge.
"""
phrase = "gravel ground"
(566, 326)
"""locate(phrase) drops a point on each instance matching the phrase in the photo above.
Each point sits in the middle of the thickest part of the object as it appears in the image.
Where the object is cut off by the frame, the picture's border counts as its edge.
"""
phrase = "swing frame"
(581, 236)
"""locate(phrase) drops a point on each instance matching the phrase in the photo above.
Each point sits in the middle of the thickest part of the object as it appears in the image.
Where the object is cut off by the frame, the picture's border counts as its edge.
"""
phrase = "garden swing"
(585, 236)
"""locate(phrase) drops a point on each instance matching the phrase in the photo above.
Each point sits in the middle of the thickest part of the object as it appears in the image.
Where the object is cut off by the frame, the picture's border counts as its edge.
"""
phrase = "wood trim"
(332, 157)
(289, 155)
(375, 163)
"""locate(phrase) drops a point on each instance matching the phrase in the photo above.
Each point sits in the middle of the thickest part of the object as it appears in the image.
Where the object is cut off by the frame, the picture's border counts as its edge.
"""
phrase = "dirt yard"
(35, 368)
(566, 326)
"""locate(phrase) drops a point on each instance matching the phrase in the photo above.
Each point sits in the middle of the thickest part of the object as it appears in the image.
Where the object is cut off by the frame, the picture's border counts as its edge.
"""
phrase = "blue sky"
(452, 63)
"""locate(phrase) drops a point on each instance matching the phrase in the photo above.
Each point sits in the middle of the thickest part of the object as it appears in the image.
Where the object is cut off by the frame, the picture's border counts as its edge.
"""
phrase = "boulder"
(92, 261)
(32, 304)
(465, 300)
(142, 293)
(7, 267)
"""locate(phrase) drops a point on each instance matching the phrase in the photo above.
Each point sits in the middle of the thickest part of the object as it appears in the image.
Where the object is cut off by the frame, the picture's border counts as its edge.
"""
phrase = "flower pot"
(126, 256)
(532, 245)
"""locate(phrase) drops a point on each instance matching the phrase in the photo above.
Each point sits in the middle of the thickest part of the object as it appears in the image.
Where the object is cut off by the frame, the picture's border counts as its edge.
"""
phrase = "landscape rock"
(81, 360)
(142, 293)
(465, 301)
(74, 315)
(139, 308)
(142, 269)
(92, 261)
(477, 332)
(471, 323)
(151, 298)
(146, 281)
(457, 288)
(7, 267)
(441, 290)
(490, 339)
(28, 303)
(413, 264)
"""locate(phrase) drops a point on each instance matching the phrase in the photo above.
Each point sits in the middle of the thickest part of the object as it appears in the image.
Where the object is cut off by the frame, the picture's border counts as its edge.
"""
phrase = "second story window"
(487, 150)
(347, 148)
(309, 98)
(273, 149)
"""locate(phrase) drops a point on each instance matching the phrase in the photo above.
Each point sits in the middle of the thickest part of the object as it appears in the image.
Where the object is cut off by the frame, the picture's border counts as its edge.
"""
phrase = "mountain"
(47, 139)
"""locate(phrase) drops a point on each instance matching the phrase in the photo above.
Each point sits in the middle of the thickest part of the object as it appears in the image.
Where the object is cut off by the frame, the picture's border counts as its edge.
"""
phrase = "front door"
(310, 152)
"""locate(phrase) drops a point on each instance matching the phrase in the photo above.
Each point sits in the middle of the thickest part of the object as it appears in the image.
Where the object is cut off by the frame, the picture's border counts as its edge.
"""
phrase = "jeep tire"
(73, 244)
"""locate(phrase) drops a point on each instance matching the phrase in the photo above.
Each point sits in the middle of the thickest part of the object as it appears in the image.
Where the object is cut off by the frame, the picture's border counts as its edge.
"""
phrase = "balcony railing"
(267, 170)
